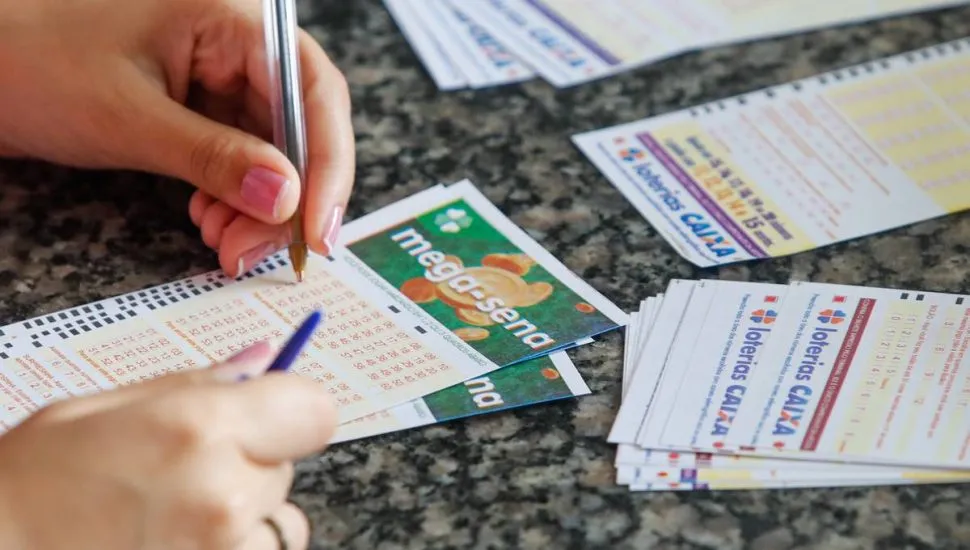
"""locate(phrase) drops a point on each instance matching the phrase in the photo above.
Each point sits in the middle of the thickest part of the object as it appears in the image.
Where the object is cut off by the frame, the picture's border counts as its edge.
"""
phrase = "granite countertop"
(541, 477)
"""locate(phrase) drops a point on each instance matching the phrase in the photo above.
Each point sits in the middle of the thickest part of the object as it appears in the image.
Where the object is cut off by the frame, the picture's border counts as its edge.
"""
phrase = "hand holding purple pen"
(228, 453)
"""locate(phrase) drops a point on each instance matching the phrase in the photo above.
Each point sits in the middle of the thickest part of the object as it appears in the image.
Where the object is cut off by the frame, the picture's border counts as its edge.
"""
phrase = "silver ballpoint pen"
(289, 125)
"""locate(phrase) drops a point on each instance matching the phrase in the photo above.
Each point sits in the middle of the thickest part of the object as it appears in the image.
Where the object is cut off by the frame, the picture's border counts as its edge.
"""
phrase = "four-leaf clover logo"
(452, 220)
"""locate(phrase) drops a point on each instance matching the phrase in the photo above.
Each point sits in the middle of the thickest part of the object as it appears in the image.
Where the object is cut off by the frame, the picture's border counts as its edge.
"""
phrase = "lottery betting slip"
(787, 169)
(477, 43)
(424, 301)
(457, 51)
(736, 385)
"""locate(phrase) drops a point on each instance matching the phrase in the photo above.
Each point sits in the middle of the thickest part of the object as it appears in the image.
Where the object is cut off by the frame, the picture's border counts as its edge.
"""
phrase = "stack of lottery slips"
(738, 385)
(457, 51)
(436, 307)
(479, 43)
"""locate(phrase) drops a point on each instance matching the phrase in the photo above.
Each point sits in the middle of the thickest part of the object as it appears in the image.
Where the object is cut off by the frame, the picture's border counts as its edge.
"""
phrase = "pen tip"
(298, 257)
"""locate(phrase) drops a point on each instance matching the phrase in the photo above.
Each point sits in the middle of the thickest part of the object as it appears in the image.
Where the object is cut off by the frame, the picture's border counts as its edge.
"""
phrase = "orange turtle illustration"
(501, 277)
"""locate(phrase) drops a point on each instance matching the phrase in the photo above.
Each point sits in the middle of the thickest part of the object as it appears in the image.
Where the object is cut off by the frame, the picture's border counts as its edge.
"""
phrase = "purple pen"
(291, 351)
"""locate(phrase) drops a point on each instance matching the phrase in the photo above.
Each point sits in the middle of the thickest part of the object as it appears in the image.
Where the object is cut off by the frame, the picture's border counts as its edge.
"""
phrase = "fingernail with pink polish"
(331, 229)
(263, 190)
(244, 364)
(254, 351)
(253, 257)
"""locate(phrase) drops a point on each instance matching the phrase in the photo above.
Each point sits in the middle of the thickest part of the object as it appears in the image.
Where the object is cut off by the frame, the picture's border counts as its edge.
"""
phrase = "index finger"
(281, 417)
(253, 361)
(330, 145)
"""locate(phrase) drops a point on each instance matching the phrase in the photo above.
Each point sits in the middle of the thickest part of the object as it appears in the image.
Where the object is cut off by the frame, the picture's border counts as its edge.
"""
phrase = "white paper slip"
(636, 463)
(791, 470)
(446, 74)
(634, 477)
(754, 485)
(803, 165)
(864, 375)
(637, 333)
(637, 466)
(649, 317)
(647, 374)
(570, 41)
(718, 370)
(483, 59)
(629, 345)
(575, 41)
(727, 21)
(689, 335)
(630, 475)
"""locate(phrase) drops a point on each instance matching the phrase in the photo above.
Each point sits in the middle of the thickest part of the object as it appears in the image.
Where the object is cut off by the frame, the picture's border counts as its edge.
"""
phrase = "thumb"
(239, 169)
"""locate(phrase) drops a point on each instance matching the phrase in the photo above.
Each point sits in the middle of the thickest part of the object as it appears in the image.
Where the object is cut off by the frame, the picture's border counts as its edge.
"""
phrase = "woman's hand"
(193, 461)
(180, 88)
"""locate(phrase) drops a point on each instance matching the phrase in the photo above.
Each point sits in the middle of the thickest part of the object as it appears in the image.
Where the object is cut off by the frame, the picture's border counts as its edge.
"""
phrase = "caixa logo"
(709, 235)
(493, 50)
(733, 395)
(795, 407)
(558, 48)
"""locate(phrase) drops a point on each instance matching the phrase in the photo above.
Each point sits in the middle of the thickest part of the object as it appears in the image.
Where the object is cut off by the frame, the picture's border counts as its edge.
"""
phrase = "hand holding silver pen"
(181, 89)
(307, 101)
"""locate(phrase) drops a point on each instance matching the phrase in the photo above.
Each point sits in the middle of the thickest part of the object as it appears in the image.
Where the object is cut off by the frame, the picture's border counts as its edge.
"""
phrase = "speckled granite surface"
(537, 478)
